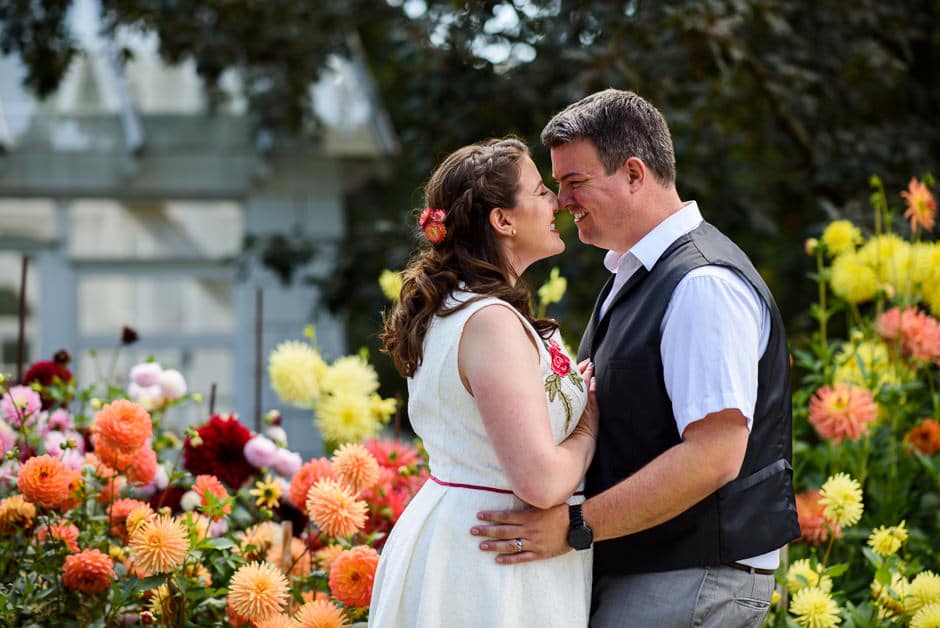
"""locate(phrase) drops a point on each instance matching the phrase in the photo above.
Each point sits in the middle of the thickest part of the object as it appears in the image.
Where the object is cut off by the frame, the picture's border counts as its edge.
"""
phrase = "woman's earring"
(513, 231)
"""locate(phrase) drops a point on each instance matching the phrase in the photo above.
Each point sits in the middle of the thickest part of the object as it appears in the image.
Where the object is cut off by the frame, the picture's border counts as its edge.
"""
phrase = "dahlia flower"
(350, 375)
(47, 373)
(295, 369)
(927, 617)
(814, 608)
(354, 465)
(925, 437)
(298, 564)
(841, 236)
(46, 481)
(7, 437)
(392, 453)
(16, 514)
(921, 205)
(306, 477)
(277, 621)
(172, 384)
(60, 531)
(258, 590)
(159, 545)
(324, 557)
(814, 527)
(842, 412)
(801, 574)
(221, 452)
(346, 418)
(210, 484)
(286, 463)
(89, 571)
(333, 507)
(260, 451)
(886, 541)
(842, 499)
(123, 425)
(923, 590)
(20, 403)
(390, 282)
(352, 574)
(853, 280)
(146, 374)
(267, 492)
(320, 614)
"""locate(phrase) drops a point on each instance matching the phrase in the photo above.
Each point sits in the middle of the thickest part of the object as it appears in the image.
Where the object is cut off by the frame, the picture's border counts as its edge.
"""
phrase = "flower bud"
(811, 246)
(95, 403)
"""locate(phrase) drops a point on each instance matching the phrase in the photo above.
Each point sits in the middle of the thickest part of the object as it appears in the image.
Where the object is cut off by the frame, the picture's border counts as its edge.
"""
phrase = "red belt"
(477, 487)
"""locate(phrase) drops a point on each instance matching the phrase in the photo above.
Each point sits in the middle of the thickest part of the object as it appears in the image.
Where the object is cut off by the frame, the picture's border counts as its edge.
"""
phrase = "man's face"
(600, 203)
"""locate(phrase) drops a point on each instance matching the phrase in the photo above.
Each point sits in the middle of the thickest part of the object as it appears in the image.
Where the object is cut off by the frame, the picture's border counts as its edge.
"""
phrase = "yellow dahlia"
(853, 280)
(801, 574)
(927, 617)
(841, 236)
(866, 364)
(258, 590)
(159, 545)
(886, 541)
(354, 465)
(295, 369)
(16, 514)
(390, 282)
(350, 375)
(346, 418)
(842, 498)
(320, 614)
(333, 507)
(814, 608)
(923, 590)
(382, 409)
(890, 600)
(162, 604)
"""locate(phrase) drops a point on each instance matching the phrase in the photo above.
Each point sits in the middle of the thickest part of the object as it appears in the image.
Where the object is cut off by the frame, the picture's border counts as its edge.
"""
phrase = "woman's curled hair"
(467, 185)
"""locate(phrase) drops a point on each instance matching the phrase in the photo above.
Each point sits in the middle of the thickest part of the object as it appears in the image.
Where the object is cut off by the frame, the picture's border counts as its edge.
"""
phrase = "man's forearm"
(674, 481)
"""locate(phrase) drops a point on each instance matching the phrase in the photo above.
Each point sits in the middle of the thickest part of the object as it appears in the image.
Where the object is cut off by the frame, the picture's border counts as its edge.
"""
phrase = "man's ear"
(501, 221)
(635, 171)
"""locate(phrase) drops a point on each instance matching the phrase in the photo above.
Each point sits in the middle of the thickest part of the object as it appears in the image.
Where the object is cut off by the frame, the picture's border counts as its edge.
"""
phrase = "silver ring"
(518, 546)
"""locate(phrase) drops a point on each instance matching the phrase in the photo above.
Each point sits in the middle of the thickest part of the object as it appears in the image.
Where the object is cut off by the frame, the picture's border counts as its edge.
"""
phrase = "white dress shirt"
(714, 332)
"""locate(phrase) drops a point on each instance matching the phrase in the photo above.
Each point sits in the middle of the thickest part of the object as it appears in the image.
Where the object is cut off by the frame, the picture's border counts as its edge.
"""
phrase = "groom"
(690, 493)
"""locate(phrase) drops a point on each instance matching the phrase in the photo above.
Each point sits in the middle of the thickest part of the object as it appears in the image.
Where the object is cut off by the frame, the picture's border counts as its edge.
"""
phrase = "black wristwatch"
(580, 535)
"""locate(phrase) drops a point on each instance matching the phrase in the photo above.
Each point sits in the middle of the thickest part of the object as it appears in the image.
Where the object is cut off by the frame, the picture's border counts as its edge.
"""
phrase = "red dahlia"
(221, 452)
(45, 372)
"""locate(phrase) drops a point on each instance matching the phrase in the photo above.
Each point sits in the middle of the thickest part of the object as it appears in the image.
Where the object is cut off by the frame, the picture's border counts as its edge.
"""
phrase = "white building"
(133, 204)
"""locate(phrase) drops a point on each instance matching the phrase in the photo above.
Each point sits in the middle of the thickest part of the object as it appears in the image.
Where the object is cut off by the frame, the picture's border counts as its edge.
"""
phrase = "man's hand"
(543, 533)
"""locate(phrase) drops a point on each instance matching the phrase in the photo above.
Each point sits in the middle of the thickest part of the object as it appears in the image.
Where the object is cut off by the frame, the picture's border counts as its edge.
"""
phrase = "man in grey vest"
(690, 493)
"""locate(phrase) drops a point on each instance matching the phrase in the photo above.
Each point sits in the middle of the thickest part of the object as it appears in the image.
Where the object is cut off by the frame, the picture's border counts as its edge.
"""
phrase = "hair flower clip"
(431, 222)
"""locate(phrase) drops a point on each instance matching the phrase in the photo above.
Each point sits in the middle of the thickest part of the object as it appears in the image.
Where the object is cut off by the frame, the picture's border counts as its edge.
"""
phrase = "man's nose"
(564, 197)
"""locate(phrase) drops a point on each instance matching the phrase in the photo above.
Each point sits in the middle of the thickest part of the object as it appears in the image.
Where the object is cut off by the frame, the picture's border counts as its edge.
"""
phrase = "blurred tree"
(780, 109)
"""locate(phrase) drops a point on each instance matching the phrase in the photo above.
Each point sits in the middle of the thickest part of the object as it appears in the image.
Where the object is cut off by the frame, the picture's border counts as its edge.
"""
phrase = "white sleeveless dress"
(431, 572)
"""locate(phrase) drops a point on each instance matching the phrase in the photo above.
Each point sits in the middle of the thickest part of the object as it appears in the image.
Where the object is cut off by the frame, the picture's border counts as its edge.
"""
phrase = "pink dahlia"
(20, 403)
(842, 411)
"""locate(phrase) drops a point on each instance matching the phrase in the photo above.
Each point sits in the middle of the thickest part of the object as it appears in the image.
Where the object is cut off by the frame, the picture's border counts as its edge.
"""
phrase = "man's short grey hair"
(621, 125)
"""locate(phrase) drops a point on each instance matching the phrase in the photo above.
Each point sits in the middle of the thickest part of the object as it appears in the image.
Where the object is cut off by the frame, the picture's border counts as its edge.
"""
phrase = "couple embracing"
(647, 482)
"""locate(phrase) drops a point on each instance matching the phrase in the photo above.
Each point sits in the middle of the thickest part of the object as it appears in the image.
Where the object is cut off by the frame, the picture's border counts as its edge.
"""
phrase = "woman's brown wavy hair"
(467, 185)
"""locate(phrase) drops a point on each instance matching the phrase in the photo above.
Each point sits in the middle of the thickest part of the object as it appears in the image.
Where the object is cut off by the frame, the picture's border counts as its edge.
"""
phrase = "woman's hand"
(590, 418)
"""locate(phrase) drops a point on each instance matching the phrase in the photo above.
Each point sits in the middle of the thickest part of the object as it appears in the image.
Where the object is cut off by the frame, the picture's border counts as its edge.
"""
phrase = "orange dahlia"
(334, 508)
(210, 484)
(306, 477)
(299, 561)
(45, 480)
(159, 545)
(352, 574)
(16, 514)
(258, 590)
(89, 571)
(61, 531)
(124, 425)
(356, 466)
(325, 557)
(842, 411)
(117, 515)
(75, 487)
(921, 205)
(143, 468)
(320, 614)
(254, 543)
(276, 621)
(925, 437)
(814, 527)
(112, 457)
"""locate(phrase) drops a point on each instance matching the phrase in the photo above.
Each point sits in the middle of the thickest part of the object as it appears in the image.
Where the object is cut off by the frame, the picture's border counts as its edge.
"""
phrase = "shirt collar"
(651, 246)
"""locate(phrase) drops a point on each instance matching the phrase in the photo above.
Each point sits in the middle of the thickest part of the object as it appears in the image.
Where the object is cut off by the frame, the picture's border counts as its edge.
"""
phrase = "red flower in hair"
(431, 222)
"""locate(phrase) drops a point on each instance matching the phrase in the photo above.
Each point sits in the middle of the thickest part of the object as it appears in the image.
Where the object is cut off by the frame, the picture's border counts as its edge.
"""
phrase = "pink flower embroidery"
(561, 364)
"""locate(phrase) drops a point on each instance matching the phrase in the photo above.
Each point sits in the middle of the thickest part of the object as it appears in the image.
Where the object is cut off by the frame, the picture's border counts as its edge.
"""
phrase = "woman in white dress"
(502, 411)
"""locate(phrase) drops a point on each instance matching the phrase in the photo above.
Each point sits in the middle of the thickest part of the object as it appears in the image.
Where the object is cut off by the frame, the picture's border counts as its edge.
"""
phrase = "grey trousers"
(710, 597)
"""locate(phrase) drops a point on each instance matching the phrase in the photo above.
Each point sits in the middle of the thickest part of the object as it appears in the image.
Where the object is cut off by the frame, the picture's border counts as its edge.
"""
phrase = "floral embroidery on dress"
(561, 368)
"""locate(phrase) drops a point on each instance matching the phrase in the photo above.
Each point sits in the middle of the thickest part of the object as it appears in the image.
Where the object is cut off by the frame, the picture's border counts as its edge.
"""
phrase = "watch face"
(580, 537)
